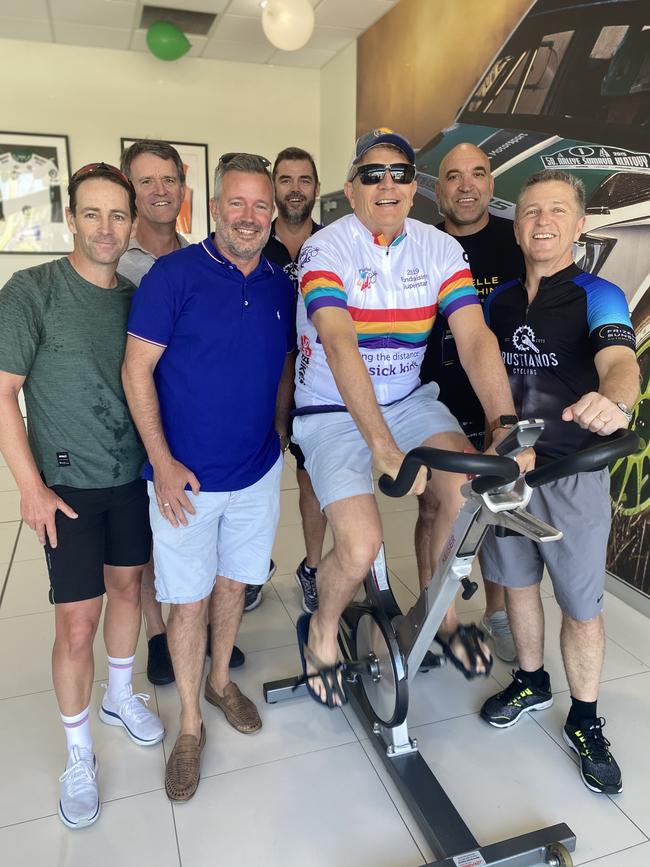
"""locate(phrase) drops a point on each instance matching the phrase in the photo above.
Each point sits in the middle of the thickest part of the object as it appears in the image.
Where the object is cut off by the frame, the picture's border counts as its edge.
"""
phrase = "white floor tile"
(289, 509)
(8, 534)
(511, 781)
(7, 481)
(625, 703)
(34, 770)
(637, 856)
(29, 639)
(628, 628)
(28, 548)
(289, 728)
(267, 626)
(130, 831)
(9, 506)
(27, 589)
(308, 823)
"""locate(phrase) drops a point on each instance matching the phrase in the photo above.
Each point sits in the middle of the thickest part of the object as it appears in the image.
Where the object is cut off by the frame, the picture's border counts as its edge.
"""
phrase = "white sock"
(119, 676)
(77, 730)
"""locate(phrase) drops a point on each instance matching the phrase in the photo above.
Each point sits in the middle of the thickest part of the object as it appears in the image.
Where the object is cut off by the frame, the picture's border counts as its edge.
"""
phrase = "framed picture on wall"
(194, 218)
(34, 173)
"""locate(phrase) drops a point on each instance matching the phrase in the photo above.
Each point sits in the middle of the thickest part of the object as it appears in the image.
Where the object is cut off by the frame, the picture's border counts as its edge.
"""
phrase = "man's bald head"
(464, 189)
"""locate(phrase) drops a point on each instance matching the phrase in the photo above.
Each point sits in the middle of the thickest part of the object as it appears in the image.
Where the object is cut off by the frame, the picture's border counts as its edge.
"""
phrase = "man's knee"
(75, 631)
(188, 613)
(427, 506)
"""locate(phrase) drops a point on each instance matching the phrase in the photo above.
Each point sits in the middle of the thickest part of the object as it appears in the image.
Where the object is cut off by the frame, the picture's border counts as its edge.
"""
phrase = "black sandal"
(331, 676)
(470, 637)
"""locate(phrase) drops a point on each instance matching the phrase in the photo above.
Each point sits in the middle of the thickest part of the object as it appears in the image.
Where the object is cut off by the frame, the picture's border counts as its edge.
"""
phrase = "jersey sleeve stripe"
(458, 302)
(317, 302)
(460, 278)
(312, 279)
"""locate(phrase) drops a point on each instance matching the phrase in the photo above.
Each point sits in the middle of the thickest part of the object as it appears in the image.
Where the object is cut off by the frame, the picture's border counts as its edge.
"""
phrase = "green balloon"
(167, 41)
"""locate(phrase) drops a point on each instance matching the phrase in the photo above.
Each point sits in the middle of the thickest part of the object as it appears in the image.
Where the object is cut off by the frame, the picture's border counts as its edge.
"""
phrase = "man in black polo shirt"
(464, 189)
(568, 346)
(296, 187)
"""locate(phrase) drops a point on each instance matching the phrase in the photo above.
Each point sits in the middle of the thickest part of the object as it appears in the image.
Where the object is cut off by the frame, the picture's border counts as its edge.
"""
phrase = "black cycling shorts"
(112, 529)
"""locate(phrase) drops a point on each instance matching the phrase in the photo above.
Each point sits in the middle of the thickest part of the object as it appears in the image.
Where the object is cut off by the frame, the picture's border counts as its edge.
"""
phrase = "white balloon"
(288, 24)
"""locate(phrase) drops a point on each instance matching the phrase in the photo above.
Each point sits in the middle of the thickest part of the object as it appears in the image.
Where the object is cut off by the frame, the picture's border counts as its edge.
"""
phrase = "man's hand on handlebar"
(525, 459)
(596, 413)
(390, 463)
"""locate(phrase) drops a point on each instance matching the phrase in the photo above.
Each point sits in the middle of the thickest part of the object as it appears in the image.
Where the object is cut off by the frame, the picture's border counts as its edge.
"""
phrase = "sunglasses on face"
(224, 159)
(105, 168)
(373, 173)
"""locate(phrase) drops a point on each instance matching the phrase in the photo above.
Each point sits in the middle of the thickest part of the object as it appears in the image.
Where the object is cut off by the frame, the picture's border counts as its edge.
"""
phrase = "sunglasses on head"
(224, 159)
(104, 168)
(373, 173)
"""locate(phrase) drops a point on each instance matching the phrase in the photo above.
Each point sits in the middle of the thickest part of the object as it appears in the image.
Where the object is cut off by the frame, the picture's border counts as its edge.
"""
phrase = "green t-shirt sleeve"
(20, 325)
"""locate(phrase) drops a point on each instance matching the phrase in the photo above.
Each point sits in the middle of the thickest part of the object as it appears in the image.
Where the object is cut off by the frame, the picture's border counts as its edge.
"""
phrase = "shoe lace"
(308, 583)
(80, 774)
(135, 706)
(516, 691)
(595, 745)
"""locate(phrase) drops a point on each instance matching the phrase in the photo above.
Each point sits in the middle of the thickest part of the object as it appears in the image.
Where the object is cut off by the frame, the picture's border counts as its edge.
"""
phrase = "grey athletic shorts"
(579, 506)
(337, 457)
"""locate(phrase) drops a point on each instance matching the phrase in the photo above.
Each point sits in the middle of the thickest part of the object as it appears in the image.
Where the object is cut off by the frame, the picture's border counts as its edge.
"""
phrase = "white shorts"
(337, 457)
(231, 534)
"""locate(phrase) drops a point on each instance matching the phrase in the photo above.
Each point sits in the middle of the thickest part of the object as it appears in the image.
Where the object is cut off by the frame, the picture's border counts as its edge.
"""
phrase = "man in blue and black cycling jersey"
(371, 284)
(568, 346)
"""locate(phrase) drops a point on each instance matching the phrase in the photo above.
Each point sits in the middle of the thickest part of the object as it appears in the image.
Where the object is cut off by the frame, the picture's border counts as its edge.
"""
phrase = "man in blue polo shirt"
(210, 336)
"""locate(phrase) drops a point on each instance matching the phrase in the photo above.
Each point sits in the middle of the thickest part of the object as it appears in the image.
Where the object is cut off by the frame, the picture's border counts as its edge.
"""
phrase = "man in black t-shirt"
(295, 180)
(464, 189)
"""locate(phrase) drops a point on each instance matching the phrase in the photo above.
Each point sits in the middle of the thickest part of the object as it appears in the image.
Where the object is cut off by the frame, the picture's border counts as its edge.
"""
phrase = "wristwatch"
(504, 421)
(625, 409)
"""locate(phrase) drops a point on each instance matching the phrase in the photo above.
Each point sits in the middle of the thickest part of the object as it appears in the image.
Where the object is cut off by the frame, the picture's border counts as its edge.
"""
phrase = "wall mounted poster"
(34, 172)
(193, 219)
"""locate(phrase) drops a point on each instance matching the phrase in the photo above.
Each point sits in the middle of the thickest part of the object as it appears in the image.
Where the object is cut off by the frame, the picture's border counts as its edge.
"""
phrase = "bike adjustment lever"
(469, 588)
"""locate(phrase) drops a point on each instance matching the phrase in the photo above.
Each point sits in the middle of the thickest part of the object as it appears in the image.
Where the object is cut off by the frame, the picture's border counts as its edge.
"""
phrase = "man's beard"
(239, 248)
(294, 216)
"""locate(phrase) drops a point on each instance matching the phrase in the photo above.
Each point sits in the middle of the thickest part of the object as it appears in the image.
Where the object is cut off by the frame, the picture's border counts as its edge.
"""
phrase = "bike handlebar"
(617, 445)
(497, 471)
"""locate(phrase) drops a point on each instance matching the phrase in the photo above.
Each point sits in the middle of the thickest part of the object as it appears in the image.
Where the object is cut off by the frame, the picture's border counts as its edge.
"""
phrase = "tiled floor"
(309, 789)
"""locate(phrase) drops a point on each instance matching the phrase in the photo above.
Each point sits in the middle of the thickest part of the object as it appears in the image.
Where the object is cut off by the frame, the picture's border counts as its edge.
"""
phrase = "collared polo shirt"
(225, 338)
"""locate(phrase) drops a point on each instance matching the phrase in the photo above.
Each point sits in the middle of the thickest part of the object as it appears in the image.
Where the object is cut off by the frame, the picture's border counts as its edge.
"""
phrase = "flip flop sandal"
(470, 636)
(331, 676)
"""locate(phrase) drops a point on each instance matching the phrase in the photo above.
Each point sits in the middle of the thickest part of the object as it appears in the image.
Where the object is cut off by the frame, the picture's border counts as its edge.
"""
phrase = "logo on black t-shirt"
(529, 356)
(524, 339)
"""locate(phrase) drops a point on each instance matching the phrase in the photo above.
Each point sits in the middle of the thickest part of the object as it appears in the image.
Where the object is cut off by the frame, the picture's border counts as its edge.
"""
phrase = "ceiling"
(236, 33)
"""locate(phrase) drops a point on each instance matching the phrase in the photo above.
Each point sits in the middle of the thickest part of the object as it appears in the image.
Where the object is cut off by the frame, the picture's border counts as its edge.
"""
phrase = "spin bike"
(383, 648)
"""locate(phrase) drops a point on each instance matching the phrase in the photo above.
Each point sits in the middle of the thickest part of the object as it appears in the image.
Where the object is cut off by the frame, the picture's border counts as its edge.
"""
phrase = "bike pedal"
(431, 660)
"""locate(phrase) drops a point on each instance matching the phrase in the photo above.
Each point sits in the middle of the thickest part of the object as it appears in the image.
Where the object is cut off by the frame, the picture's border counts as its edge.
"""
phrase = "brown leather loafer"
(240, 711)
(183, 766)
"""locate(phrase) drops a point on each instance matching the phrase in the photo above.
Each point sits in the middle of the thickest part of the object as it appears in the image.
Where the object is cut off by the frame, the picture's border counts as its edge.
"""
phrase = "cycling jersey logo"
(528, 357)
(307, 254)
(366, 278)
(305, 345)
(524, 339)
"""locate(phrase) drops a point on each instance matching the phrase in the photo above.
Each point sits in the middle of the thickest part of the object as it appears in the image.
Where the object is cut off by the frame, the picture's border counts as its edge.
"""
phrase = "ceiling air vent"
(196, 23)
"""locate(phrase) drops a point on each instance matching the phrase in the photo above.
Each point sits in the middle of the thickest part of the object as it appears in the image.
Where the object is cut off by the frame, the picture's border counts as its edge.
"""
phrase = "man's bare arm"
(618, 374)
(170, 476)
(478, 351)
(336, 331)
(38, 503)
(284, 400)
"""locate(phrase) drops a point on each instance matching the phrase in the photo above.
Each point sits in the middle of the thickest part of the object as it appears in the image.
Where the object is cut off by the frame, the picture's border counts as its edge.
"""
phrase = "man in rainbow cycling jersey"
(371, 284)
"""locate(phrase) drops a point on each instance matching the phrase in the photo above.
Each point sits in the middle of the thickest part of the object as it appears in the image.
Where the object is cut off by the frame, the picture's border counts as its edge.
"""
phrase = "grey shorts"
(579, 506)
(337, 457)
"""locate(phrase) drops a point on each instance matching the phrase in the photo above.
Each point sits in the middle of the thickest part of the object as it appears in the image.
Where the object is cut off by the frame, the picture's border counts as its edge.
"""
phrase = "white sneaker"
(497, 628)
(131, 712)
(79, 802)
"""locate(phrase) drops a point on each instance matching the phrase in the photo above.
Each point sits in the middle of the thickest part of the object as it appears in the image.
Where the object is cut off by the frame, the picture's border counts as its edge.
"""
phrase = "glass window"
(541, 69)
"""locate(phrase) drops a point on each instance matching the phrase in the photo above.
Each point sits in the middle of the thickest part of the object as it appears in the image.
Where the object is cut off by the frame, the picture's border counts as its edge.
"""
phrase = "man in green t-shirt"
(62, 338)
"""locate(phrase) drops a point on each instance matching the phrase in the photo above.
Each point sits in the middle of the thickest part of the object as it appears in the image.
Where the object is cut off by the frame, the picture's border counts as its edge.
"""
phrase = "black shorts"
(296, 451)
(112, 529)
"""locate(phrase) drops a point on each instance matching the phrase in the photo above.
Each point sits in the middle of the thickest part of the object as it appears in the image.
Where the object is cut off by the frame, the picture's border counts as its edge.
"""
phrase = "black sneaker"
(306, 580)
(598, 768)
(237, 657)
(159, 663)
(253, 598)
(505, 708)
